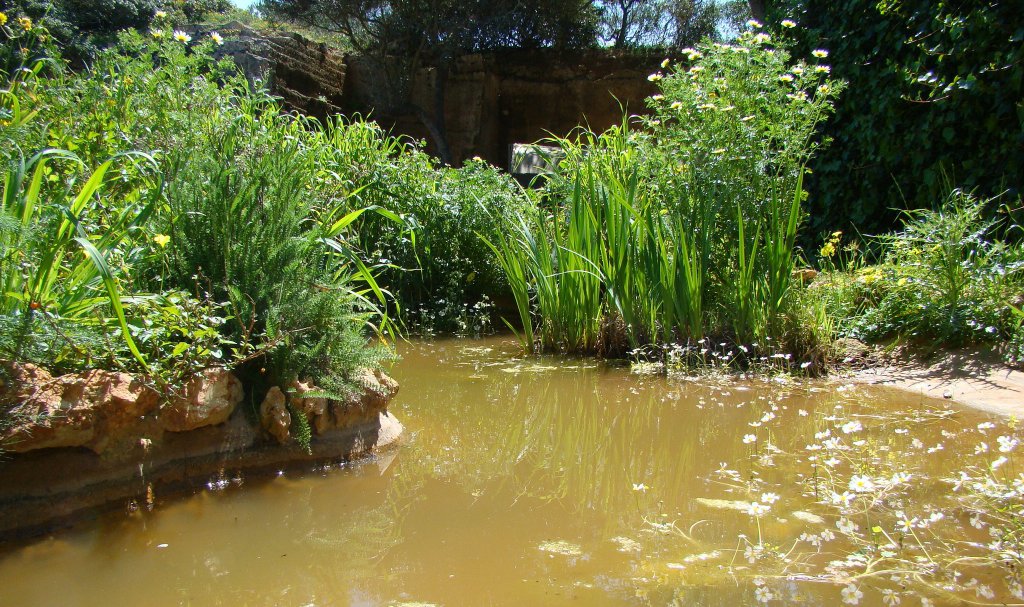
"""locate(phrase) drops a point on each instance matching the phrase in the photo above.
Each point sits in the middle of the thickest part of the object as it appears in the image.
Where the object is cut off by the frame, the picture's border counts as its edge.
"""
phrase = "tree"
(404, 37)
(662, 23)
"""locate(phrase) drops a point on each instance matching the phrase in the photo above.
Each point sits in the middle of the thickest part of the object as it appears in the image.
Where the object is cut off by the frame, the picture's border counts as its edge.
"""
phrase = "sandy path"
(977, 379)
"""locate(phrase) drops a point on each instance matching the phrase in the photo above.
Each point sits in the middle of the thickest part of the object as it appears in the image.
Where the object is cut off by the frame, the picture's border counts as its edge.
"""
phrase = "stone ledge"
(50, 487)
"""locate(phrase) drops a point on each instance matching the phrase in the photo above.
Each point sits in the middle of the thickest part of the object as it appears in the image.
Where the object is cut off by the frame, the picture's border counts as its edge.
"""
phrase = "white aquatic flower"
(985, 426)
(821, 435)
(890, 597)
(846, 526)
(981, 447)
(769, 498)
(832, 462)
(763, 594)
(905, 523)
(842, 499)
(749, 438)
(899, 478)
(999, 461)
(861, 484)
(851, 594)
(640, 487)
(1007, 444)
(851, 427)
(802, 413)
(757, 509)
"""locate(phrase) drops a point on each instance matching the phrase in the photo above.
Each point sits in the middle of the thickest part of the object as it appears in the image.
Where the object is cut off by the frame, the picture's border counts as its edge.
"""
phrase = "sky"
(243, 3)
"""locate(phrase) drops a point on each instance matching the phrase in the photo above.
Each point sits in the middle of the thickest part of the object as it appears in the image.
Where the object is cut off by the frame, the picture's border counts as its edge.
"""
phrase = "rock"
(274, 415)
(313, 407)
(208, 399)
(378, 388)
(804, 275)
(91, 409)
(851, 350)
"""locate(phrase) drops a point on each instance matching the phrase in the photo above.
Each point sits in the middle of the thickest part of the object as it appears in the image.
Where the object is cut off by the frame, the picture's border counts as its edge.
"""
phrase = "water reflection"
(521, 482)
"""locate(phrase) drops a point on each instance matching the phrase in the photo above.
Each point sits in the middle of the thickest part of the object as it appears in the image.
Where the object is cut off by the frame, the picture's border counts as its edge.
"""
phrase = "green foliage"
(439, 271)
(248, 215)
(934, 94)
(948, 277)
(686, 228)
(448, 28)
(83, 27)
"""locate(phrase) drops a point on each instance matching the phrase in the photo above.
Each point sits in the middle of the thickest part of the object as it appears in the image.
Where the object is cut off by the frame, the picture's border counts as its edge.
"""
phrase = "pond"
(554, 481)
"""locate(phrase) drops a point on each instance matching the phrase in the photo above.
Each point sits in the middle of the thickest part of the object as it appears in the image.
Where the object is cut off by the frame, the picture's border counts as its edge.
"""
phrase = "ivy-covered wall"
(934, 101)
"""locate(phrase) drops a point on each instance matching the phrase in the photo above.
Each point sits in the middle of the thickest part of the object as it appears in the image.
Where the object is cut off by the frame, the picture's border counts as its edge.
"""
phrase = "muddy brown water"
(541, 481)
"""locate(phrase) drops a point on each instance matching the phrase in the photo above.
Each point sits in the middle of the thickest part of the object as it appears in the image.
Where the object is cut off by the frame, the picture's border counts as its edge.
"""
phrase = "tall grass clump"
(681, 225)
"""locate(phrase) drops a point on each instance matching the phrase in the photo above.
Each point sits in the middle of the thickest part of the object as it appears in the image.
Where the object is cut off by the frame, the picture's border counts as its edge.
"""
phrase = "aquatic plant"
(684, 227)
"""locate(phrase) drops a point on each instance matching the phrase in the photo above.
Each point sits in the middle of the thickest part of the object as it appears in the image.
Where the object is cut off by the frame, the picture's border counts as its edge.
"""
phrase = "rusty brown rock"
(90, 409)
(378, 388)
(804, 275)
(208, 399)
(313, 407)
(274, 415)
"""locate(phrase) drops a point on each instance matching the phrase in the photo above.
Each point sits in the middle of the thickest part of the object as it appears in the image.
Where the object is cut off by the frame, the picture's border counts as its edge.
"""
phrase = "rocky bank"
(96, 438)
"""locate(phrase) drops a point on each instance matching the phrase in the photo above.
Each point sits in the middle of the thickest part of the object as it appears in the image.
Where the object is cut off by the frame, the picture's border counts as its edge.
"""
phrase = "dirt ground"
(976, 378)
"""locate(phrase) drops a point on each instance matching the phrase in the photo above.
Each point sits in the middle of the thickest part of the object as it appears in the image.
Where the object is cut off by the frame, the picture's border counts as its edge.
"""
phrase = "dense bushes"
(233, 237)
(933, 98)
(950, 277)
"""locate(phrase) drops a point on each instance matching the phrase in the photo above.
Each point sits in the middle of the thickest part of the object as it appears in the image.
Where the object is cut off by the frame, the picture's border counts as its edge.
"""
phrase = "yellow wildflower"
(160, 15)
(786, 23)
(664, 64)
(25, 23)
(162, 240)
(655, 77)
(3, 18)
(820, 53)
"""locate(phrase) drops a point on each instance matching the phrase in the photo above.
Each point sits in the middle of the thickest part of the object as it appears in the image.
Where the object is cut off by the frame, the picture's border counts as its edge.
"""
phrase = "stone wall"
(492, 100)
(308, 76)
